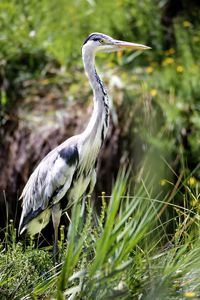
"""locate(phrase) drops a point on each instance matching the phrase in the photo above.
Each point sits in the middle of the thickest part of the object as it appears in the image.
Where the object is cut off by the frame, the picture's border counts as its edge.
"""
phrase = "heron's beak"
(126, 45)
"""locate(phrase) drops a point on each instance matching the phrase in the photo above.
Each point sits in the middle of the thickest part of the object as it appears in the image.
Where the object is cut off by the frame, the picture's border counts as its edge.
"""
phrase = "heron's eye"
(101, 41)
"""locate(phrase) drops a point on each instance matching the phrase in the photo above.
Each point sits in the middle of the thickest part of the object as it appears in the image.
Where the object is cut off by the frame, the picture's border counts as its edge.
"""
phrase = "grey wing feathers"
(49, 182)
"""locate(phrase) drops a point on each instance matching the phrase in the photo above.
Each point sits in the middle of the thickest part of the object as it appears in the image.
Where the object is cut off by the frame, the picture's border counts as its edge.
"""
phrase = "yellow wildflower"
(110, 65)
(124, 75)
(149, 70)
(179, 69)
(119, 56)
(134, 77)
(162, 182)
(153, 92)
(168, 61)
(192, 180)
(187, 24)
(194, 202)
(196, 39)
(190, 294)
(170, 51)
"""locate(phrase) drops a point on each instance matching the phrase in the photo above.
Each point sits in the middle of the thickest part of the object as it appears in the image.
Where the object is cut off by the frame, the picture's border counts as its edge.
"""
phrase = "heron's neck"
(98, 123)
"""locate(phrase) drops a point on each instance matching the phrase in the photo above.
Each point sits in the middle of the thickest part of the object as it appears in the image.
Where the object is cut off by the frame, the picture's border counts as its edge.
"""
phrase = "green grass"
(160, 86)
(124, 253)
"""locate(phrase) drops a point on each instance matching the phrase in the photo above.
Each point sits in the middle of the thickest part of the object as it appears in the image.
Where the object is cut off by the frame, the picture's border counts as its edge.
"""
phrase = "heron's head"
(99, 42)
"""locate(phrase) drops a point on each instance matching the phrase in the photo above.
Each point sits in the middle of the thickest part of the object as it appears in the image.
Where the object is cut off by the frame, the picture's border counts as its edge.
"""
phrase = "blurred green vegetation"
(59, 27)
(36, 33)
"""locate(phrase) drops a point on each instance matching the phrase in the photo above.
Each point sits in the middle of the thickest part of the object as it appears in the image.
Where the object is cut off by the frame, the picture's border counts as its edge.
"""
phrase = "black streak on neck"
(103, 99)
(100, 83)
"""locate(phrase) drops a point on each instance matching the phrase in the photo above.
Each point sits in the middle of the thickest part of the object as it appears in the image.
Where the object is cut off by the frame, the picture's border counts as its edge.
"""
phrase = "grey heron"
(70, 169)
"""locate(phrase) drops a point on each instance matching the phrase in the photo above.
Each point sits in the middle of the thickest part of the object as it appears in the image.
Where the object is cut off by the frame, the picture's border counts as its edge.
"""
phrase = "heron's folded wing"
(49, 182)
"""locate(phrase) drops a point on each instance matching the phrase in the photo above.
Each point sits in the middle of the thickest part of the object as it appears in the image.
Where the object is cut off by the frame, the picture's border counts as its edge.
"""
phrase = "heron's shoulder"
(69, 153)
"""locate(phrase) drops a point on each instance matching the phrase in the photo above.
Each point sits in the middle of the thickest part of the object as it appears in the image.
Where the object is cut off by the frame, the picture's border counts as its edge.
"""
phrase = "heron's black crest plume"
(94, 37)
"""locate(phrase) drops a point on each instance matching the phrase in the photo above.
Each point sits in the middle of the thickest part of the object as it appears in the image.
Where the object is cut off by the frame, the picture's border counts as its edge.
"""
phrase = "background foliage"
(35, 32)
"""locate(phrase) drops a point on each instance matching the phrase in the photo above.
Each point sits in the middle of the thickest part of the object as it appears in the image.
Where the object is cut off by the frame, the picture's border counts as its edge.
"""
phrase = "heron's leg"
(56, 214)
